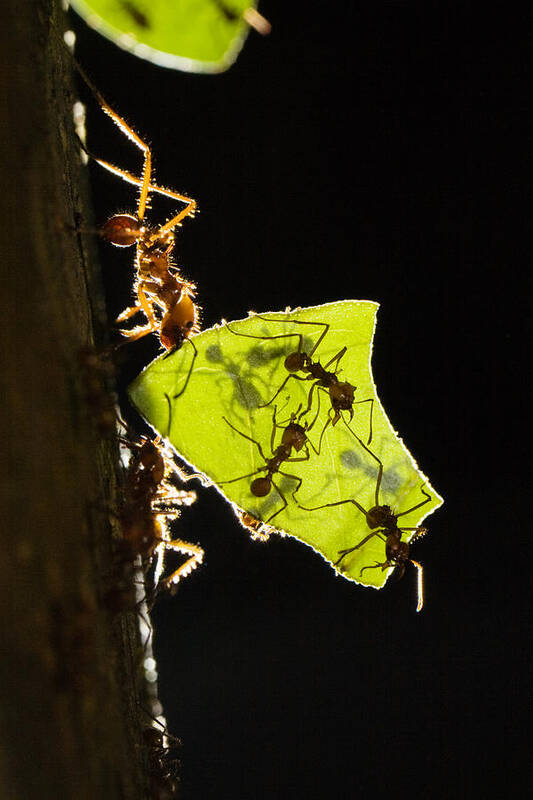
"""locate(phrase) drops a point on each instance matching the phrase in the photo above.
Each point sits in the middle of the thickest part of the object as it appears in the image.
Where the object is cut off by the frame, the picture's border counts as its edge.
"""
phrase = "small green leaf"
(191, 35)
(233, 375)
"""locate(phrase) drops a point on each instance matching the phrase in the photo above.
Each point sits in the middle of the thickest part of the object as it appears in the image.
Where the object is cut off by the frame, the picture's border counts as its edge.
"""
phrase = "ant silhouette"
(164, 297)
(341, 393)
(383, 523)
(163, 764)
(151, 501)
(294, 437)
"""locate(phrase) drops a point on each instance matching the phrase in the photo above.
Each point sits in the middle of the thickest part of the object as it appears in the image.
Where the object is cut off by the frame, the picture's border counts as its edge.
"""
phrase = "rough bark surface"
(69, 675)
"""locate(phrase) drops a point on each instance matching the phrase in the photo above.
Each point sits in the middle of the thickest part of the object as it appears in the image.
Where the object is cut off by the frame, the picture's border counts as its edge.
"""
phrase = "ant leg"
(277, 336)
(337, 503)
(383, 566)
(145, 306)
(357, 546)
(196, 556)
(336, 359)
(371, 413)
(418, 505)
(374, 456)
(274, 426)
(250, 440)
(131, 135)
(153, 187)
(309, 397)
(289, 376)
(190, 369)
(285, 504)
(324, 325)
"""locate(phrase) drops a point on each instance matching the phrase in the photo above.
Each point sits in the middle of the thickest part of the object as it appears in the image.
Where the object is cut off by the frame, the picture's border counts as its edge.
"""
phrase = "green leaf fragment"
(233, 375)
(190, 35)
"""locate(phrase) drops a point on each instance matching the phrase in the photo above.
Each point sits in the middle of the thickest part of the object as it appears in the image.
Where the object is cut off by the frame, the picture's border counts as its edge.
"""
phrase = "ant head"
(122, 230)
(295, 361)
(381, 517)
(342, 396)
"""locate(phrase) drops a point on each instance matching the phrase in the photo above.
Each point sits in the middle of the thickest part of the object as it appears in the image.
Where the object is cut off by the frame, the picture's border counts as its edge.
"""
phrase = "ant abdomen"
(260, 487)
(122, 230)
(178, 321)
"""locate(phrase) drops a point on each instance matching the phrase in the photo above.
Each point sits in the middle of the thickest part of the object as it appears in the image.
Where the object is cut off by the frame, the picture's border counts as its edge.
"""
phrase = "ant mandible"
(341, 393)
(383, 522)
(294, 437)
(163, 295)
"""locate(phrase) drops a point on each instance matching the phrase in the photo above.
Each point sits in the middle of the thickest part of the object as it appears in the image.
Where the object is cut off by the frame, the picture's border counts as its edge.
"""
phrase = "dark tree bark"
(69, 675)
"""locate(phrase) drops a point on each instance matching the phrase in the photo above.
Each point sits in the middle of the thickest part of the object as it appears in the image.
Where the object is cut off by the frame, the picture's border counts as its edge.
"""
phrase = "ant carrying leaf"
(239, 383)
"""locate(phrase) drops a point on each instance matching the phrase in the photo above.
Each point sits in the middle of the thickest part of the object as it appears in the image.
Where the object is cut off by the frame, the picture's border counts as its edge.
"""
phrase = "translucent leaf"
(191, 35)
(233, 375)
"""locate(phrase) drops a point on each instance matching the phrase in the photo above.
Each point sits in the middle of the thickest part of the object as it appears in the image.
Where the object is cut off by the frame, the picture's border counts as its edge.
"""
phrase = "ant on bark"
(383, 522)
(341, 393)
(151, 501)
(163, 764)
(163, 295)
(294, 437)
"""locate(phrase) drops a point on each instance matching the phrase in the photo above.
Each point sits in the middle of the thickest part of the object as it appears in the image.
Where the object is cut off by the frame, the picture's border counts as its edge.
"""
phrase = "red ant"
(341, 393)
(294, 437)
(383, 522)
(150, 502)
(163, 295)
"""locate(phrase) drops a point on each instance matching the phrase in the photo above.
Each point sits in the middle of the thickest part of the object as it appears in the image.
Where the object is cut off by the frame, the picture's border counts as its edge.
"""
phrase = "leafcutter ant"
(164, 297)
(383, 522)
(163, 764)
(341, 393)
(151, 501)
(294, 437)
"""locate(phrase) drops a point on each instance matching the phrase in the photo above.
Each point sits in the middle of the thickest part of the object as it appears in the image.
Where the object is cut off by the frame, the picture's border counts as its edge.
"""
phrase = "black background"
(372, 153)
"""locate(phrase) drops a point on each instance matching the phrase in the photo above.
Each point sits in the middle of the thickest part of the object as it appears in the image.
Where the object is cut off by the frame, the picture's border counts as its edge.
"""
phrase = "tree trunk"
(69, 673)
